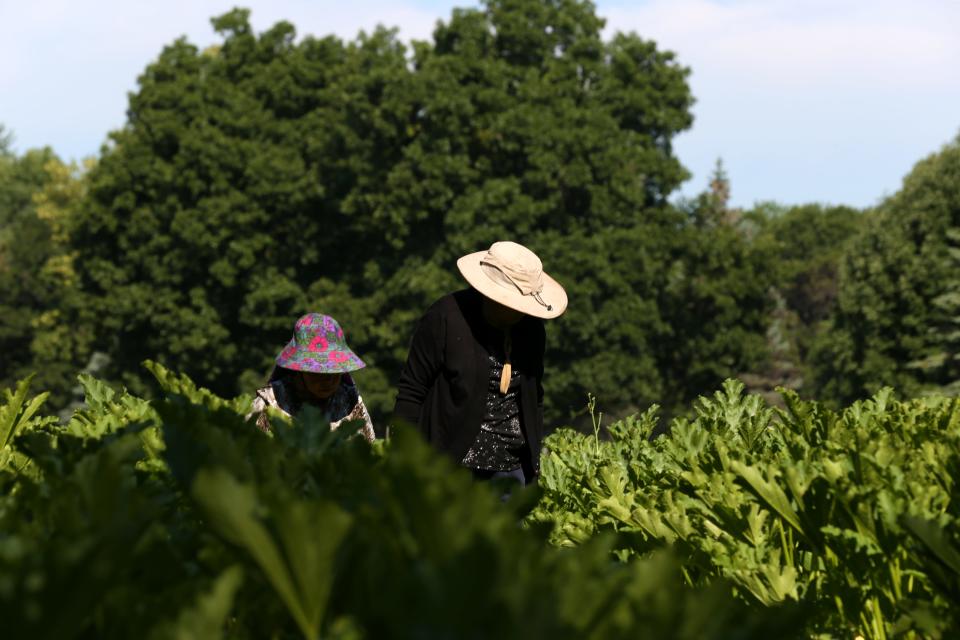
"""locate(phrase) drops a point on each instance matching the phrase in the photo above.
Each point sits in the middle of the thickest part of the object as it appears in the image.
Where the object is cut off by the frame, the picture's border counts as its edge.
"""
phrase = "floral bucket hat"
(318, 346)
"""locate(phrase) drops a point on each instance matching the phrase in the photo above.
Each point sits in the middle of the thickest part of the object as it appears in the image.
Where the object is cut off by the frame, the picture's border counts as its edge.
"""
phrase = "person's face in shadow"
(500, 316)
(320, 386)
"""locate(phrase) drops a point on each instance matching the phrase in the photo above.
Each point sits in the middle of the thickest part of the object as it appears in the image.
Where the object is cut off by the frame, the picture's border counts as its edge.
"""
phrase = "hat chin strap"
(539, 299)
(527, 286)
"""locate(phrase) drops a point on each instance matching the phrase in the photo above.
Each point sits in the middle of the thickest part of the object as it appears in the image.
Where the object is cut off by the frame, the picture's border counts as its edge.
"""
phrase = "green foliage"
(24, 247)
(940, 362)
(205, 619)
(300, 567)
(853, 514)
(802, 248)
(718, 296)
(6, 141)
(301, 532)
(37, 281)
(275, 175)
(17, 415)
(809, 242)
(896, 317)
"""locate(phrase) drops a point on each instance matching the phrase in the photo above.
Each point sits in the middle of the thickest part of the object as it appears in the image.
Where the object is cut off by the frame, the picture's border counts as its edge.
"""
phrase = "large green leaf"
(204, 619)
(936, 539)
(296, 553)
(17, 411)
(767, 489)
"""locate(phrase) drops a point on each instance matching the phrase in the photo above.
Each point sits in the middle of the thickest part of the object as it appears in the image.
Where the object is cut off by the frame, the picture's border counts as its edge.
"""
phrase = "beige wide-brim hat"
(512, 275)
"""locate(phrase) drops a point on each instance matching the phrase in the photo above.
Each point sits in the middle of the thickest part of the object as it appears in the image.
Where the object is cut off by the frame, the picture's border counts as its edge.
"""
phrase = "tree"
(717, 298)
(803, 246)
(810, 241)
(941, 362)
(24, 246)
(266, 177)
(896, 315)
(6, 141)
(37, 193)
(532, 128)
(61, 344)
(239, 182)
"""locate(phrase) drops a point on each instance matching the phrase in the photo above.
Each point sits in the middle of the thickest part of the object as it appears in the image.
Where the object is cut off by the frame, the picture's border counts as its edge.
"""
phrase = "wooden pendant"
(507, 368)
(505, 378)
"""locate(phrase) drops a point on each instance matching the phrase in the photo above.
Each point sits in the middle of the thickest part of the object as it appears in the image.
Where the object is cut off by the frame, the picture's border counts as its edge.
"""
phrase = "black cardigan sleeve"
(423, 365)
(542, 344)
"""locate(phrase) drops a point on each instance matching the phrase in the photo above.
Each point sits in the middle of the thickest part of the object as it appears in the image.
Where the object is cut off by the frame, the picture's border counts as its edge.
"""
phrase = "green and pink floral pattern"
(318, 346)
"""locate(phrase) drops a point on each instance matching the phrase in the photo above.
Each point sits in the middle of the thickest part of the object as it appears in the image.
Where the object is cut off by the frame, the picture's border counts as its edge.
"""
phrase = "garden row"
(174, 518)
(852, 514)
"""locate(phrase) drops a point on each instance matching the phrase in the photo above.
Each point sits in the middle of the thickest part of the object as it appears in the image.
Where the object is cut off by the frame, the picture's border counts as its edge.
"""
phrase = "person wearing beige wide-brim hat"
(472, 382)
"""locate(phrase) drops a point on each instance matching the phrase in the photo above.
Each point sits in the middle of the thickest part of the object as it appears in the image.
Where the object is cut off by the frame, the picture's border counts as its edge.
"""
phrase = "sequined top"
(500, 442)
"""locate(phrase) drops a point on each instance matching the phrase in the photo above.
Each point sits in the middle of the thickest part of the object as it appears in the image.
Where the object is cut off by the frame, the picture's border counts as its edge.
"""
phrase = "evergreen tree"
(896, 315)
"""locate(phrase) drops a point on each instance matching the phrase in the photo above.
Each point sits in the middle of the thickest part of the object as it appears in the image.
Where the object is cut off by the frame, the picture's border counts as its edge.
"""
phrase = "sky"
(828, 101)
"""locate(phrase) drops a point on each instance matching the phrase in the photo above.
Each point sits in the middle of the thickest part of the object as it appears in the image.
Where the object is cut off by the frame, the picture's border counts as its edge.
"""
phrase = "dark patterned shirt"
(501, 441)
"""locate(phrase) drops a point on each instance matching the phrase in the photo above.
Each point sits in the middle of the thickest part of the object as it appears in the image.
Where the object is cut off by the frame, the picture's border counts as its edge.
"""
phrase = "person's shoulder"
(455, 302)
(280, 394)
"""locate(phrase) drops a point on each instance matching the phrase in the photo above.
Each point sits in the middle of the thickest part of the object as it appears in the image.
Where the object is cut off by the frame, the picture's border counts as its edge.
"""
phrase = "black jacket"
(444, 382)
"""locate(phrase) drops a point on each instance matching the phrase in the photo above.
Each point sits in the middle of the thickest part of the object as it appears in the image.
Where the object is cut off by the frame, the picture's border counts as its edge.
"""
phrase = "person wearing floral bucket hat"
(314, 368)
(472, 383)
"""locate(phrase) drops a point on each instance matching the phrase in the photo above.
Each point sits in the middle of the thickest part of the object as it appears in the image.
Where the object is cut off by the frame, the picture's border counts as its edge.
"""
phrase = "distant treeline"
(271, 175)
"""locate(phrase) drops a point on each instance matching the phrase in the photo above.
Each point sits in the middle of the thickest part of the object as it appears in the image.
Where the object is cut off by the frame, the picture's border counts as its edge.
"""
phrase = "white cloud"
(66, 66)
(809, 100)
(808, 43)
(804, 99)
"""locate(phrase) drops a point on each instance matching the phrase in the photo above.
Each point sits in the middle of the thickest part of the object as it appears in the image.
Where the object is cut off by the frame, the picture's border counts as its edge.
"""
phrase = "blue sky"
(805, 100)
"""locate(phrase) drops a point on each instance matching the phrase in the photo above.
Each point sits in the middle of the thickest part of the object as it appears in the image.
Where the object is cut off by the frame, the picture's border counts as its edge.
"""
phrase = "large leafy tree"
(37, 194)
(240, 181)
(24, 245)
(531, 127)
(897, 315)
(269, 176)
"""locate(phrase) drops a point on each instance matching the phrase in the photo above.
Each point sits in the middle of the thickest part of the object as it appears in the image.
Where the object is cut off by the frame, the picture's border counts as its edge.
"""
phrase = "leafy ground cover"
(852, 513)
(175, 518)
